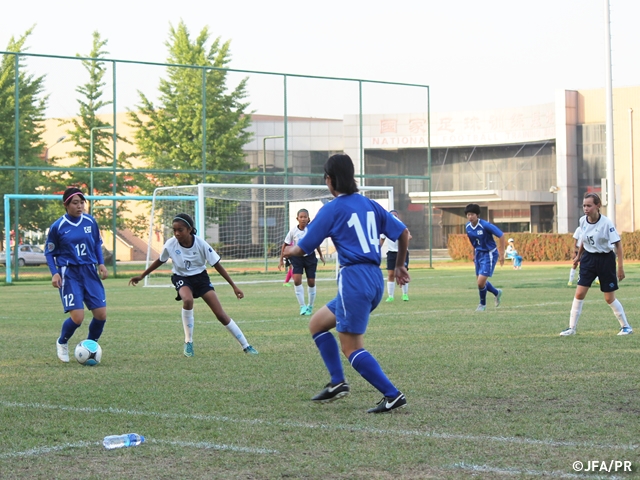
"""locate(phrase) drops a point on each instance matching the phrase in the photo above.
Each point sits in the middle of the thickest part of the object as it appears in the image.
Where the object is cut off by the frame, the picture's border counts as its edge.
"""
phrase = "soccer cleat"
(568, 331)
(389, 299)
(481, 308)
(309, 310)
(625, 331)
(597, 281)
(332, 392)
(303, 310)
(569, 283)
(405, 297)
(63, 351)
(498, 298)
(286, 284)
(250, 350)
(389, 403)
(188, 349)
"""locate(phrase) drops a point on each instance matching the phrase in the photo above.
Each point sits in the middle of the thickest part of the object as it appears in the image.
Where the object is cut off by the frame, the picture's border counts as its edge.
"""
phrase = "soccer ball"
(88, 352)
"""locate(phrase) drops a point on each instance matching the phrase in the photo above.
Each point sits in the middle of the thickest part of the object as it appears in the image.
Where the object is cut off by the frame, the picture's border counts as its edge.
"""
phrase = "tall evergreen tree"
(32, 104)
(169, 135)
(90, 102)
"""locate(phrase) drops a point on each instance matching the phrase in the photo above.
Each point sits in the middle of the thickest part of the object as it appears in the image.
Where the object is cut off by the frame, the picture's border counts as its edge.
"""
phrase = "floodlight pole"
(611, 178)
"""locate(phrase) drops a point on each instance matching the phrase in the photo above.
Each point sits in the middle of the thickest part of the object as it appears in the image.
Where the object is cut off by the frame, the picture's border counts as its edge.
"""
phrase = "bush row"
(541, 247)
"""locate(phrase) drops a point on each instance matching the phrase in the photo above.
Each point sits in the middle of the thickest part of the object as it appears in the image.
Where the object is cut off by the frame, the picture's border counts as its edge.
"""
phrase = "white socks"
(312, 295)
(299, 289)
(576, 309)
(572, 274)
(391, 288)
(618, 311)
(237, 333)
(187, 323)
(405, 289)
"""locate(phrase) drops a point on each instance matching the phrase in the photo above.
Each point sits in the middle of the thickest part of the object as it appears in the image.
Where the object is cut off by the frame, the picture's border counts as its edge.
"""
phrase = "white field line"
(202, 445)
(533, 473)
(312, 426)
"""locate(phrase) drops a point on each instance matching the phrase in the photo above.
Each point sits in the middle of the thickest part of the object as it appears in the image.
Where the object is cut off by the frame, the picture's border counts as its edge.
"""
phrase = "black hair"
(72, 192)
(303, 210)
(339, 168)
(186, 219)
(472, 208)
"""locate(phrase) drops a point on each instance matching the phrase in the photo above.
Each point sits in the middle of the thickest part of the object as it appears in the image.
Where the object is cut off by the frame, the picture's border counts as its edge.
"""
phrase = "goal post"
(245, 223)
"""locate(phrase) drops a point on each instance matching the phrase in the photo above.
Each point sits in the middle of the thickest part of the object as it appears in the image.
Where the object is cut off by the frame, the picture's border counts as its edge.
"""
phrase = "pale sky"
(473, 54)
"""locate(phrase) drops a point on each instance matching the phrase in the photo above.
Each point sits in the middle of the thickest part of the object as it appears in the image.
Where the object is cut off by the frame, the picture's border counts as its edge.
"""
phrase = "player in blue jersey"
(74, 249)
(354, 223)
(486, 253)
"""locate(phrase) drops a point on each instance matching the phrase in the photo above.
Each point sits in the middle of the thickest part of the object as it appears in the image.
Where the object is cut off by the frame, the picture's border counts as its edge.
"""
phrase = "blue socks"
(491, 288)
(68, 329)
(330, 354)
(95, 329)
(483, 295)
(367, 366)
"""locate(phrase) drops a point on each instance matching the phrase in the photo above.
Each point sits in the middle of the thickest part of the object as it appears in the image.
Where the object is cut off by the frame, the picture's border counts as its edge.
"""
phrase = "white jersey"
(294, 236)
(598, 237)
(189, 261)
(392, 245)
(578, 236)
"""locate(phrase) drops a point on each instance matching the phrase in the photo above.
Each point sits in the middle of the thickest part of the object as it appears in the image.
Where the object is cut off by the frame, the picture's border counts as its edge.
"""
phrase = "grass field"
(490, 395)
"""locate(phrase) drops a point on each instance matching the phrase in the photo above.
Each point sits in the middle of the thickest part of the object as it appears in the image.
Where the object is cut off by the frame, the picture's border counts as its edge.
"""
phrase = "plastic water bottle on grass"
(118, 441)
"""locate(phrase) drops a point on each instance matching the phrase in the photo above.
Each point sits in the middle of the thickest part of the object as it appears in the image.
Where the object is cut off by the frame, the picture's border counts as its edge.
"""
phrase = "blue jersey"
(355, 224)
(481, 236)
(73, 241)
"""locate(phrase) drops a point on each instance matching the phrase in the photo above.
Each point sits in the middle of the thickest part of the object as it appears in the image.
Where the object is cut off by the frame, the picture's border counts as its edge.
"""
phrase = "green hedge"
(541, 247)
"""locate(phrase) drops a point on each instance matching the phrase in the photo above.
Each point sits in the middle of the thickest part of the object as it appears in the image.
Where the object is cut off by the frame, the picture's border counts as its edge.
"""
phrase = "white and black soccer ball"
(88, 352)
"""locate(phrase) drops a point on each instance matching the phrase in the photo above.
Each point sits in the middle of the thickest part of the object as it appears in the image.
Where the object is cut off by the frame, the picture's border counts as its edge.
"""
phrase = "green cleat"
(303, 310)
(498, 298)
(250, 350)
(389, 299)
(188, 349)
(309, 310)
(405, 297)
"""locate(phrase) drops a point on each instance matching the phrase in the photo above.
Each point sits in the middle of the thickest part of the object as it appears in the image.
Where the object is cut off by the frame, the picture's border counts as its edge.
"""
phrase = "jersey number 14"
(372, 232)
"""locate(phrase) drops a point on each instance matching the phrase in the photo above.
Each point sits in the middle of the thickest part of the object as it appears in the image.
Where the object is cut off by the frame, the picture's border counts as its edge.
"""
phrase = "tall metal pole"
(633, 197)
(611, 180)
(16, 224)
(265, 236)
(91, 192)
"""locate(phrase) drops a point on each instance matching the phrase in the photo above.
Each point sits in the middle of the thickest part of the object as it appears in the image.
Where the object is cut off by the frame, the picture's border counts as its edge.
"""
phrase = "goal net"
(245, 223)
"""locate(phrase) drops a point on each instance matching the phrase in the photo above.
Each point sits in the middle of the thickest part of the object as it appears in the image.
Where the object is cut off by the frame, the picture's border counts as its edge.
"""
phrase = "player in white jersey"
(307, 264)
(74, 257)
(392, 254)
(577, 236)
(354, 223)
(597, 259)
(190, 255)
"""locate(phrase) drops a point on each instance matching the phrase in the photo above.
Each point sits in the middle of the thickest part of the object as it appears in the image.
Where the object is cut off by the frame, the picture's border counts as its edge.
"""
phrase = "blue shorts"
(601, 265)
(307, 264)
(81, 285)
(485, 262)
(391, 260)
(360, 289)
